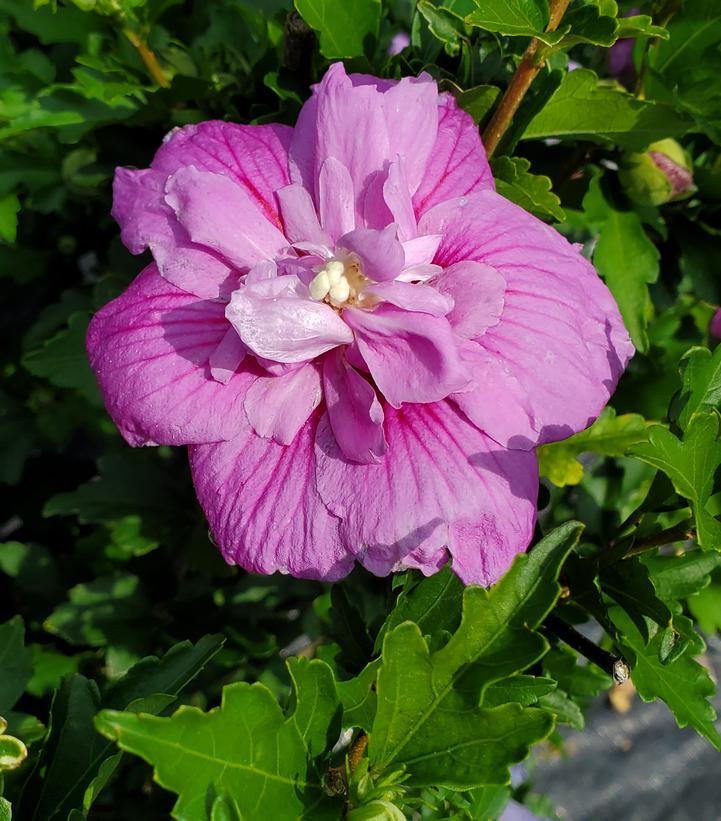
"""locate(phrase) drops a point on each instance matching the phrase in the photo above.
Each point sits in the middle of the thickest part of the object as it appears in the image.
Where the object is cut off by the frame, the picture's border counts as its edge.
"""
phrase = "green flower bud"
(376, 811)
(660, 175)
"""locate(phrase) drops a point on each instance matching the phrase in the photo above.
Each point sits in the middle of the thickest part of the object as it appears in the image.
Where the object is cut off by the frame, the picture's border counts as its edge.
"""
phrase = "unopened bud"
(377, 810)
(660, 175)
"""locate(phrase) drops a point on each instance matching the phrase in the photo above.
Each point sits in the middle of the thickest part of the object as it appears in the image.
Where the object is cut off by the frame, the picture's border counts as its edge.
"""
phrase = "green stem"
(531, 63)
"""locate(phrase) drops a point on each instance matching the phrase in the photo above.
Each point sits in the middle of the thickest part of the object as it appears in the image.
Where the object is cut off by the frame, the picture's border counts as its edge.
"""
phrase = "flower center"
(339, 282)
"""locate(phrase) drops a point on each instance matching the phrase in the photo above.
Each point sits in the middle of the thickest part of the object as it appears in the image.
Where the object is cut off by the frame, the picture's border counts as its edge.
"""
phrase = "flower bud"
(376, 811)
(660, 175)
(715, 325)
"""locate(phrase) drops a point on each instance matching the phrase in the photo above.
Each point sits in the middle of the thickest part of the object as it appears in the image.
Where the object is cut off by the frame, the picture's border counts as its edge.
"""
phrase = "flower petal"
(150, 350)
(560, 337)
(253, 156)
(440, 472)
(278, 406)
(412, 297)
(218, 214)
(421, 250)
(226, 358)
(355, 413)
(277, 322)
(300, 220)
(329, 125)
(335, 199)
(146, 221)
(262, 506)
(397, 196)
(381, 254)
(477, 292)
(412, 357)
(457, 164)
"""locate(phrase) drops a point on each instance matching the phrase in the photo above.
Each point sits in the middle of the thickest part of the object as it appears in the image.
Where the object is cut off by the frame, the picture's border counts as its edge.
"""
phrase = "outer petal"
(279, 324)
(254, 156)
(354, 411)
(560, 338)
(263, 508)
(412, 357)
(220, 215)
(440, 474)
(147, 221)
(150, 350)
(457, 165)
(278, 406)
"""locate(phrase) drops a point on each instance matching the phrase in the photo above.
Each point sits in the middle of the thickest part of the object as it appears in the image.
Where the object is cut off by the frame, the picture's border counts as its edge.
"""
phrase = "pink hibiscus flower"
(361, 342)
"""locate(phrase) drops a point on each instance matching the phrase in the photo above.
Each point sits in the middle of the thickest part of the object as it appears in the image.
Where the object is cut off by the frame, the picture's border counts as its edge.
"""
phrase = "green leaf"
(12, 751)
(515, 18)
(690, 464)
(16, 665)
(434, 733)
(523, 689)
(610, 435)
(685, 68)
(564, 709)
(78, 761)
(683, 684)
(109, 610)
(315, 704)
(32, 568)
(443, 24)
(428, 718)
(530, 191)
(590, 25)
(433, 603)
(626, 259)
(584, 108)
(62, 360)
(640, 25)
(133, 483)
(582, 682)
(701, 373)
(628, 583)
(347, 29)
(705, 607)
(358, 696)
(168, 674)
(677, 577)
(263, 763)
(9, 208)
(478, 101)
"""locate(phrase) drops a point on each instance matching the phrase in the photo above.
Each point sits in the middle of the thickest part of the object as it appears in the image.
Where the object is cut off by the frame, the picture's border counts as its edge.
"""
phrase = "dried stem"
(148, 57)
(530, 65)
(357, 750)
(614, 666)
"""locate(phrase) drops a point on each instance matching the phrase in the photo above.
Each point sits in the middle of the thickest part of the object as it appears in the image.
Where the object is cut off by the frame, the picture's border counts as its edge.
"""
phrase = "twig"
(530, 65)
(678, 533)
(614, 666)
(148, 57)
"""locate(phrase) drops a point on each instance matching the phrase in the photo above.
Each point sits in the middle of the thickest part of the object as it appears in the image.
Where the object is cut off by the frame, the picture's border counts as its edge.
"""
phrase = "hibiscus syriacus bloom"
(360, 341)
